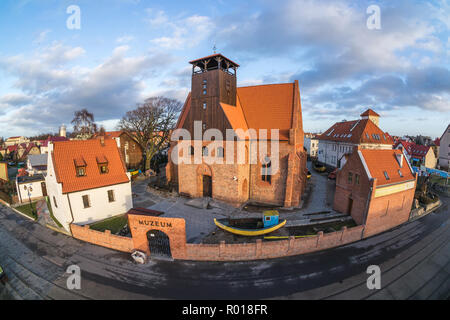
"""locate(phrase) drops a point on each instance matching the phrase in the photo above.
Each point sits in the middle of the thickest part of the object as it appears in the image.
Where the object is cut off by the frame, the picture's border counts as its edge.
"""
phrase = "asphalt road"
(414, 260)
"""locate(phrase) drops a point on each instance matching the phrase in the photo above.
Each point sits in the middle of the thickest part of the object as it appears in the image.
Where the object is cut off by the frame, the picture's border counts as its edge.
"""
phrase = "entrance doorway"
(350, 205)
(207, 186)
(159, 244)
(44, 189)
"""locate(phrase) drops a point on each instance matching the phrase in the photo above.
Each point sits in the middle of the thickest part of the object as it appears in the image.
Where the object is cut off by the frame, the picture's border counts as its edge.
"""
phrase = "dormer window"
(80, 167)
(103, 168)
(386, 175)
(81, 171)
(102, 163)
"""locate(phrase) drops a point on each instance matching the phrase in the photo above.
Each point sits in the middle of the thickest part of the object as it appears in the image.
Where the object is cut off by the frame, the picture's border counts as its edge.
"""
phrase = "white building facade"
(340, 139)
(444, 150)
(311, 143)
(87, 205)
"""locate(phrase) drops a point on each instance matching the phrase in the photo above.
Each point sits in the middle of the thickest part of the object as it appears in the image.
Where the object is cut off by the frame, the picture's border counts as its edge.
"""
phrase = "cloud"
(179, 33)
(52, 92)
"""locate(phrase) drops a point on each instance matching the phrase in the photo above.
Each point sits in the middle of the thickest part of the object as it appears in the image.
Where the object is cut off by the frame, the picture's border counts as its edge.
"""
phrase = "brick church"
(272, 111)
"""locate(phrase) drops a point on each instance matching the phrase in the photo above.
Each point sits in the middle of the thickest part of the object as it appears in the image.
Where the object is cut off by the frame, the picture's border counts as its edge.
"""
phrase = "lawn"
(49, 206)
(25, 209)
(115, 224)
(438, 180)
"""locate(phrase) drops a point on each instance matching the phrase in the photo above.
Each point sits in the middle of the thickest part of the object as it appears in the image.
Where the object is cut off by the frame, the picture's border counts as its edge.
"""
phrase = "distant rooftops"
(33, 178)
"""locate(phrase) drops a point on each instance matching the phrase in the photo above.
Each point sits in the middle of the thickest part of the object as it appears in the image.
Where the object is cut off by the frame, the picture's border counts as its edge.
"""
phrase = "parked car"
(308, 175)
(332, 174)
(320, 168)
(11, 164)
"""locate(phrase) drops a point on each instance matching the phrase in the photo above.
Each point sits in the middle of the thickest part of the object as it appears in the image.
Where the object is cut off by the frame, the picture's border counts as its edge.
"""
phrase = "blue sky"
(129, 50)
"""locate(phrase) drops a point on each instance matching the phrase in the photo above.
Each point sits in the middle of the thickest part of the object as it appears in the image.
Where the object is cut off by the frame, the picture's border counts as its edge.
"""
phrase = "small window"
(350, 177)
(367, 135)
(54, 201)
(204, 86)
(204, 126)
(86, 203)
(220, 152)
(386, 175)
(400, 173)
(267, 218)
(111, 196)
(204, 91)
(357, 178)
(103, 168)
(81, 171)
(204, 105)
(205, 81)
(191, 150)
(205, 151)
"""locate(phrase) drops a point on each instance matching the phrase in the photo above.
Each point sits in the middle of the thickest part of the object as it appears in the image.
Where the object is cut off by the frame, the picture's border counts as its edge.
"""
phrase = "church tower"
(213, 82)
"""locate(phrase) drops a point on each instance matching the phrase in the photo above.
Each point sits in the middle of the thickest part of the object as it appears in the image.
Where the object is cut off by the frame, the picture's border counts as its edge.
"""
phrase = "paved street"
(414, 260)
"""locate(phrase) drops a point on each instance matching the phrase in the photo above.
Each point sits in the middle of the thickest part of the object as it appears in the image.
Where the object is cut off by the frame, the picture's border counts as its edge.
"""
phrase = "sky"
(124, 51)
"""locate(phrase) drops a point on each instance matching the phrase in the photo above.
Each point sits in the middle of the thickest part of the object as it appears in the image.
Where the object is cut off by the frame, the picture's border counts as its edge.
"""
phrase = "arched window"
(266, 174)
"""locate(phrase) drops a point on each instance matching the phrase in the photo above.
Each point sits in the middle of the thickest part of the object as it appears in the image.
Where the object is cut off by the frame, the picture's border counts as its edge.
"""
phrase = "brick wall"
(272, 249)
(104, 239)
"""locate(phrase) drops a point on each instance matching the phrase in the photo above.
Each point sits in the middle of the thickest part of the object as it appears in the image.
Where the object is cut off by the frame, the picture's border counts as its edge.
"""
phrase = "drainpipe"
(367, 204)
(71, 213)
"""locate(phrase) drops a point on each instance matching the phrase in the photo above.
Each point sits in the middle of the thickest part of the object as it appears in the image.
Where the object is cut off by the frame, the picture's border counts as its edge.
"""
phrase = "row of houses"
(333, 147)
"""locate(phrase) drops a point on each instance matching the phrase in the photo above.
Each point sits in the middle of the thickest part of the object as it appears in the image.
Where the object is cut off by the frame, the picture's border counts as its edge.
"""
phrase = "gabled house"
(444, 149)
(37, 163)
(274, 113)
(26, 149)
(15, 141)
(311, 144)
(342, 137)
(418, 155)
(87, 181)
(376, 187)
(130, 150)
(44, 144)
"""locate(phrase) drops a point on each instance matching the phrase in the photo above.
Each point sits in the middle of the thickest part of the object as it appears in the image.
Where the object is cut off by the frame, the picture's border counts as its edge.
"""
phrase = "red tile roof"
(258, 107)
(53, 139)
(380, 161)
(66, 153)
(357, 132)
(369, 112)
(268, 107)
(414, 150)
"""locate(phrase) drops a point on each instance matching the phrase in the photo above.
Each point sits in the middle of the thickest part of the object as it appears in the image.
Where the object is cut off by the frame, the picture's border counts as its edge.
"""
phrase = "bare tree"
(151, 124)
(83, 124)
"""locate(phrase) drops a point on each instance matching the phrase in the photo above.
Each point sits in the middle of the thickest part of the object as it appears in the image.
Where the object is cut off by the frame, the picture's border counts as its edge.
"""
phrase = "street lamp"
(29, 190)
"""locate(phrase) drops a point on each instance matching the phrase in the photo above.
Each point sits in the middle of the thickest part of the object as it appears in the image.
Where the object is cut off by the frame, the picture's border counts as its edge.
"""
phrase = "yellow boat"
(247, 232)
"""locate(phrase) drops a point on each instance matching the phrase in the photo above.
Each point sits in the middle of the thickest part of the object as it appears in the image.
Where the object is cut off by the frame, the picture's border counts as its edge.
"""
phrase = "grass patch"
(26, 209)
(439, 180)
(49, 207)
(115, 224)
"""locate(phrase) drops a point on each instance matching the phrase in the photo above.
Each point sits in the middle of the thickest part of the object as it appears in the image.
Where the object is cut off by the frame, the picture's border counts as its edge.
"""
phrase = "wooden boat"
(248, 231)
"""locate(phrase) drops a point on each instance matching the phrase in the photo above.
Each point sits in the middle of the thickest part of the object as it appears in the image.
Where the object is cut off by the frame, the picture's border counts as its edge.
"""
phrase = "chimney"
(102, 141)
(399, 157)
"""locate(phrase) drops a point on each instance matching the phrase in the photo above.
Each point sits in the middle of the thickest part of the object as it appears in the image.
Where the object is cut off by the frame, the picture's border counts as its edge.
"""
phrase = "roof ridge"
(266, 84)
